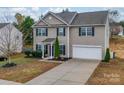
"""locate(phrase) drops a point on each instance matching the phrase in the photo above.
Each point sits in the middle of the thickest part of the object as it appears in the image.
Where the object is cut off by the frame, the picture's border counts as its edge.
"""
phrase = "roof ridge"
(93, 11)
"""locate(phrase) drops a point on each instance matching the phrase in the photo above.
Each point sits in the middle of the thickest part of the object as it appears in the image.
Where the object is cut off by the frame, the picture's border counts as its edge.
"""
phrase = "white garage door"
(87, 52)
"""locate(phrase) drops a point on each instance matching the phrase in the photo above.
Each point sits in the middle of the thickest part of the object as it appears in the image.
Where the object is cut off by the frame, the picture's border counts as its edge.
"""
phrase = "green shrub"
(9, 65)
(37, 53)
(28, 52)
(34, 53)
(107, 56)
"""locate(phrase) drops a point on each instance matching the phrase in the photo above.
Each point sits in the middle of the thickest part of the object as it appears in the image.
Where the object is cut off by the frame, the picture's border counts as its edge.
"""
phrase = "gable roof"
(66, 16)
(41, 22)
(77, 19)
(53, 14)
(98, 17)
(3, 24)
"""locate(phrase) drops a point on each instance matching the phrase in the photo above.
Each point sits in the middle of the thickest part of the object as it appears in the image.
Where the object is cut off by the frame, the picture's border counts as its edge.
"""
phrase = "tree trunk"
(9, 59)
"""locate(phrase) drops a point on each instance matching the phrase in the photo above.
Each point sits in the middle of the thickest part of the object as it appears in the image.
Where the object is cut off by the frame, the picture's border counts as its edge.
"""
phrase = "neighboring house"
(9, 35)
(116, 29)
(81, 35)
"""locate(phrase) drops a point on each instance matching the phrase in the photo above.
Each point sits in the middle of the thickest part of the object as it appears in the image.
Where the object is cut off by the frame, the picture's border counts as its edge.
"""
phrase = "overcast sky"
(35, 12)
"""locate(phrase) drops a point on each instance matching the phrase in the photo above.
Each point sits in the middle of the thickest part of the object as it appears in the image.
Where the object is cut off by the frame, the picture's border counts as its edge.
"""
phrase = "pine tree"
(107, 56)
(57, 50)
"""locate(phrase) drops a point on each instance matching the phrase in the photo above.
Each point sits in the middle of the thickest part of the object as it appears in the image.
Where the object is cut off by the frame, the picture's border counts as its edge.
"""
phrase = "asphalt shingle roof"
(98, 17)
(66, 16)
(86, 18)
(48, 40)
(3, 24)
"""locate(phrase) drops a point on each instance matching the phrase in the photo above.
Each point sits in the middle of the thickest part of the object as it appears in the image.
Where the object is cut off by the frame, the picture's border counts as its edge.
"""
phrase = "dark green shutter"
(36, 31)
(93, 32)
(46, 31)
(64, 49)
(57, 31)
(64, 31)
(79, 31)
(36, 47)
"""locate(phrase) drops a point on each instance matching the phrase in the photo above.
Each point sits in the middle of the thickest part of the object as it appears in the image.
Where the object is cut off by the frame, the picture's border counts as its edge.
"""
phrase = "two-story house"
(81, 35)
(10, 38)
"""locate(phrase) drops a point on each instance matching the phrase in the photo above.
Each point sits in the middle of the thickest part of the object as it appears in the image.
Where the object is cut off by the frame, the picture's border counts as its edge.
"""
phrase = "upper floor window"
(86, 31)
(61, 31)
(41, 32)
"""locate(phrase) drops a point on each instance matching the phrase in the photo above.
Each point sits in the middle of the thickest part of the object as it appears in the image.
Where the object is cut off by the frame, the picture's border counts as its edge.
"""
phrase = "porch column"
(51, 51)
(42, 50)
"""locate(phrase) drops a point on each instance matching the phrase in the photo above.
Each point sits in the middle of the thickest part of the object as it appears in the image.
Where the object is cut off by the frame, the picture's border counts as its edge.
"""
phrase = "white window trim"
(41, 31)
(40, 46)
(60, 31)
(86, 30)
(65, 49)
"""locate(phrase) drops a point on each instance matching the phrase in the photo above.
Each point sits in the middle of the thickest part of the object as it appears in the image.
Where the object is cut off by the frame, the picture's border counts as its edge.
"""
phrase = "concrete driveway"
(73, 72)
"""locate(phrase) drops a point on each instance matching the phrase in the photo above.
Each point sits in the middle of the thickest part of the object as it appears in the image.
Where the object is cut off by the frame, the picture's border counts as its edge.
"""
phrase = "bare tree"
(113, 16)
(9, 39)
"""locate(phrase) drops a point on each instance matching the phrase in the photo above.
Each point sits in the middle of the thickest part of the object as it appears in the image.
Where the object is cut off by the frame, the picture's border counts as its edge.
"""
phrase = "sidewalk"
(6, 82)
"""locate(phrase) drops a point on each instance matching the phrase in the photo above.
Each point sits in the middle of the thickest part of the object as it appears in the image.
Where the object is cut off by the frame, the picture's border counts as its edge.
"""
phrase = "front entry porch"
(48, 48)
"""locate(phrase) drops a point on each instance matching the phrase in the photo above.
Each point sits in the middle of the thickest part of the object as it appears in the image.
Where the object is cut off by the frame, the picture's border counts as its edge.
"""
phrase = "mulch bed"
(60, 59)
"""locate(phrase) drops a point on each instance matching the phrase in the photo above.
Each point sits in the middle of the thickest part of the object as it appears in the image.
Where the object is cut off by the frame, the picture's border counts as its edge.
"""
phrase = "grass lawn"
(26, 69)
(113, 72)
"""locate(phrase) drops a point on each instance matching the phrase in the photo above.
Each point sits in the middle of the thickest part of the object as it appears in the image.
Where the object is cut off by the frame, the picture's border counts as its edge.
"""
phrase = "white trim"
(39, 21)
(86, 31)
(74, 25)
(59, 18)
(106, 33)
(51, 56)
(90, 25)
(61, 44)
(72, 18)
(87, 46)
(42, 50)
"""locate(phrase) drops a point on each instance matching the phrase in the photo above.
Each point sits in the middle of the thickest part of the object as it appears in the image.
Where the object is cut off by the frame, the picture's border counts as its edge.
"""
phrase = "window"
(17, 37)
(89, 31)
(41, 32)
(45, 49)
(86, 31)
(38, 47)
(61, 31)
(62, 49)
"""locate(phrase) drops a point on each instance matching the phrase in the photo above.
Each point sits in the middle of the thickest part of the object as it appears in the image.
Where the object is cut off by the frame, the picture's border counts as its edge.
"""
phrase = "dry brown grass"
(26, 69)
(117, 45)
(25, 72)
(108, 73)
(112, 72)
